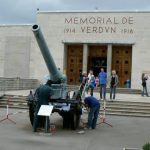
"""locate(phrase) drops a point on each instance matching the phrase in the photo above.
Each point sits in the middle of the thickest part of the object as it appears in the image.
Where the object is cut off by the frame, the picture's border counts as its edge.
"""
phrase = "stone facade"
(20, 55)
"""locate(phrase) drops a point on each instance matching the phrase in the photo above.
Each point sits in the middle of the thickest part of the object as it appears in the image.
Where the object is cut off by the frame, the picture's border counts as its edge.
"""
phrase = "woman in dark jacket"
(113, 84)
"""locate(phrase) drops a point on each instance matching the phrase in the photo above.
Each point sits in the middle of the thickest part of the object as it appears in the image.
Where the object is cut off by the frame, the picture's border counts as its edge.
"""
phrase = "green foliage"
(146, 146)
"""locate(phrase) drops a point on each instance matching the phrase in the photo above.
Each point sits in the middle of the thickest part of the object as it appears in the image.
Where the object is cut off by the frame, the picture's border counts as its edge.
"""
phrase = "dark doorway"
(97, 63)
(97, 58)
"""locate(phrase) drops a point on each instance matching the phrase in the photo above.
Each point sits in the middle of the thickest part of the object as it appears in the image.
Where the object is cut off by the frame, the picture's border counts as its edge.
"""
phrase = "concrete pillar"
(64, 69)
(109, 59)
(85, 57)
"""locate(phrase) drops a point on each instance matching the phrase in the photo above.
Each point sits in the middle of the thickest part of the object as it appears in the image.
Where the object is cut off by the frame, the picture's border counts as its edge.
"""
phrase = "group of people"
(91, 82)
(92, 104)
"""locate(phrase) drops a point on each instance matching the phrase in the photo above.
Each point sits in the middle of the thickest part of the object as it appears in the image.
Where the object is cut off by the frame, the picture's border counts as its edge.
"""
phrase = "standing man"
(44, 94)
(102, 82)
(84, 82)
(93, 106)
(144, 84)
(31, 103)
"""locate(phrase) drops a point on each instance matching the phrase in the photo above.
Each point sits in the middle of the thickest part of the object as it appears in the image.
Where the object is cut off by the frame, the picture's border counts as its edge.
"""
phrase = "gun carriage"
(61, 98)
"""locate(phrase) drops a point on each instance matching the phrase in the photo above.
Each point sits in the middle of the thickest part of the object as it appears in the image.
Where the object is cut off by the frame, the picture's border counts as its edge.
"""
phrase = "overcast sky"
(24, 11)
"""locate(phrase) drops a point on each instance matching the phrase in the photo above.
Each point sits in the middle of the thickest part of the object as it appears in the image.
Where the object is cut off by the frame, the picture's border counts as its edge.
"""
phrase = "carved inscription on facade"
(89, 25)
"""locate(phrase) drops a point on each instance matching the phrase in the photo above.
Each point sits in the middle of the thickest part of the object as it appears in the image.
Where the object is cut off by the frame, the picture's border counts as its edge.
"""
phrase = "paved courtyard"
(126, 132)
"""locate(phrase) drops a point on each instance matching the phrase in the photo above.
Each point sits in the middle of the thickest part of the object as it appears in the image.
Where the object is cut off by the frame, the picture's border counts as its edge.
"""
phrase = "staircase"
(124, 108)
(118, 108)
(118, 90)
(14, 101)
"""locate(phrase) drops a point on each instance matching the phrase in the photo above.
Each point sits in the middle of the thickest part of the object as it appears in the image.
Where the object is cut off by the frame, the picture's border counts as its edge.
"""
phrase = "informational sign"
(45, 110)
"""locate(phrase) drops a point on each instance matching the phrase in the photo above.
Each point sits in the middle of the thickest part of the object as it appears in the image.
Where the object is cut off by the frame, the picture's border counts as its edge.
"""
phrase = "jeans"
(92, 89)
(103, 91)
(144, 92)
(112, 92)
(92, 117)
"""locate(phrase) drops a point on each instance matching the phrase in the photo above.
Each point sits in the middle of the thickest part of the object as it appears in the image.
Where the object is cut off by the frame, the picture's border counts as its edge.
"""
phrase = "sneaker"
(87, 128)
(81, 132)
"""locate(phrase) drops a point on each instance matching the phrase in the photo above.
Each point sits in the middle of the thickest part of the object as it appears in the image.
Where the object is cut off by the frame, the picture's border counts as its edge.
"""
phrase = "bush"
(146, 146)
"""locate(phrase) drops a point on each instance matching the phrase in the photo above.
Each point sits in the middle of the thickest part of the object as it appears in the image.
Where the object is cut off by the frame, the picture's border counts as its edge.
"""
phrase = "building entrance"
(97, 58)
(74, 63)
(97, 63)
(121, 62)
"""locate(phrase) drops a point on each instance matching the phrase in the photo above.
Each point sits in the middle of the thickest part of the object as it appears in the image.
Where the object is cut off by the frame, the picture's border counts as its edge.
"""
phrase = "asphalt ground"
(131, 132)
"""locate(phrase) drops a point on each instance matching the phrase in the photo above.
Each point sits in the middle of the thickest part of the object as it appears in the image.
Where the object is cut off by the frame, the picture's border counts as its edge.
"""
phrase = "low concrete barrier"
(17, 84)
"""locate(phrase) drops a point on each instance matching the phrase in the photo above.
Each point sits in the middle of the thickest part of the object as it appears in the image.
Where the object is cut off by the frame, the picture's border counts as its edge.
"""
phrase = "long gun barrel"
(55, 74)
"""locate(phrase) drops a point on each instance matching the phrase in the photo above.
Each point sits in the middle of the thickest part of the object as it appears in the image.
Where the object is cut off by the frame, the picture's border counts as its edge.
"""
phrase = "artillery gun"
(61, 98)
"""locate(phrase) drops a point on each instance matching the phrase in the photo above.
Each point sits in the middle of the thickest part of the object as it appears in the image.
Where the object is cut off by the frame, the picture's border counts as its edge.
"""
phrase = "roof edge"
(95, 11)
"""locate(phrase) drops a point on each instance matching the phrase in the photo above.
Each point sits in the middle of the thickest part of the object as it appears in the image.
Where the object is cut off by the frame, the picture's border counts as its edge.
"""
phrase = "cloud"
(17, 12)
(93, 4)
(24, 11)
(49, 4)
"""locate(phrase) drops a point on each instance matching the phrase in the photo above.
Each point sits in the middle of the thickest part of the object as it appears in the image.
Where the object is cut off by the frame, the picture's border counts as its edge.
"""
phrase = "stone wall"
(18, 84)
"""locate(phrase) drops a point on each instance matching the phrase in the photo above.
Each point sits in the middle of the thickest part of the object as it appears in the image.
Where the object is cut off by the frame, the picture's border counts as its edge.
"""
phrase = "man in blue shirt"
(93, 105)
(102, 82)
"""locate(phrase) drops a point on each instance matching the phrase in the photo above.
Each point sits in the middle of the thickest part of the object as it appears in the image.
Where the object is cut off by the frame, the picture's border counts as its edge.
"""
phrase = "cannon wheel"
(71, 119)
(75, 120)
(76, 113)
(31, 115)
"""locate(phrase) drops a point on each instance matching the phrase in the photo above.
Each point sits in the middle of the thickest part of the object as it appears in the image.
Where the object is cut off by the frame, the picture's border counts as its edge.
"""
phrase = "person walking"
(93, 107)
(84, 83)
(144, 84)
(44, 94)
(90, 74)
(102, 82)
(31, 103)
(113, 84)
(30, 97)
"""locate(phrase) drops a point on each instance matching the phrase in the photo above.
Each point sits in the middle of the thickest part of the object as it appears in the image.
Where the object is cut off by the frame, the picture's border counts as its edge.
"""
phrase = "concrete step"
(9, 96)
(15, 106)
(12, 103)
(128, 111)
(128, 114)
(126, 103)
(13, 100)
(120, 108)
(127, 108)
(118, 90)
